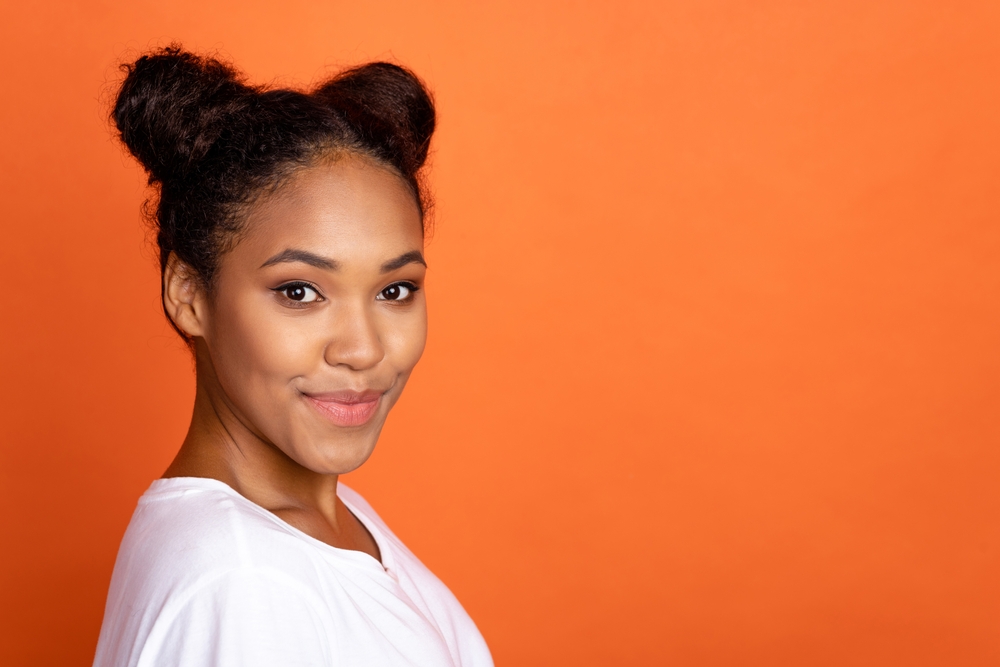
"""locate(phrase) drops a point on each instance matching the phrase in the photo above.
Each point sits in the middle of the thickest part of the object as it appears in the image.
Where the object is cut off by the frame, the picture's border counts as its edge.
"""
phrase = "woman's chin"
(337, 455)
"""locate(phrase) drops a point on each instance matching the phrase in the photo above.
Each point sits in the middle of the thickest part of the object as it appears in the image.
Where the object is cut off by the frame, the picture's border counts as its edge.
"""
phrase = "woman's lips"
(346, 408)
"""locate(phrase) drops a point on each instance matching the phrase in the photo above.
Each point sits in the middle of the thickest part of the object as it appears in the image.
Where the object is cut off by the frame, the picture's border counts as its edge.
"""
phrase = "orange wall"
(714, 369)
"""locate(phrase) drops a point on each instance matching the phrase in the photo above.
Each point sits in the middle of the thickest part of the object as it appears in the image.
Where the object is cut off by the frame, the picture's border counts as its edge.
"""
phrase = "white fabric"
(206, 578)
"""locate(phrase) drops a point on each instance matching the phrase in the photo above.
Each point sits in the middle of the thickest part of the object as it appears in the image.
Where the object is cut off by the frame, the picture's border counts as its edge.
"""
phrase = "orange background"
(714, 365)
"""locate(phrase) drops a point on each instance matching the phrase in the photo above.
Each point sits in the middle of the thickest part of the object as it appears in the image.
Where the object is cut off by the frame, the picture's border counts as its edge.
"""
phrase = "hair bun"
(390, 109)
(173, 106)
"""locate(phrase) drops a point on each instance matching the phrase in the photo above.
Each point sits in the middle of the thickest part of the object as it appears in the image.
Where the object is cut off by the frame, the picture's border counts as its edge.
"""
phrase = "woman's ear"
(184, 297)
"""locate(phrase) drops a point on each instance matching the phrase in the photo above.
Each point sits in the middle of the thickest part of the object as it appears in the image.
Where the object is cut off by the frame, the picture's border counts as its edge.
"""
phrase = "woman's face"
(317, 316)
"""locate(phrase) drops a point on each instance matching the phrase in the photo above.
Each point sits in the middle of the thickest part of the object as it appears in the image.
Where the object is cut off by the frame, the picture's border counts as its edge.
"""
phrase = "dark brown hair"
(211, 143)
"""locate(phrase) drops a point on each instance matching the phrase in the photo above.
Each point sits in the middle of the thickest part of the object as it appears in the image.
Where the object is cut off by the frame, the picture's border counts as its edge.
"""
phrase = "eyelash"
(413, 289)
(281, 289)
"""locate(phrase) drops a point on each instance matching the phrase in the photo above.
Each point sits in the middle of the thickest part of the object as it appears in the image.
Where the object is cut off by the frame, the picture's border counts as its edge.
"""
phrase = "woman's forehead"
(349, 204)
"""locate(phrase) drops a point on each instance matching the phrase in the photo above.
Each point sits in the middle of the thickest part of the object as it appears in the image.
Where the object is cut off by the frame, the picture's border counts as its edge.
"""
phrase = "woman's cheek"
(263, 352)
(408, 341)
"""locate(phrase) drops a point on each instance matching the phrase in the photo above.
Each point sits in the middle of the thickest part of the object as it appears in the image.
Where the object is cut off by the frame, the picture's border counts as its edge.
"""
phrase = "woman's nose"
(354, 339)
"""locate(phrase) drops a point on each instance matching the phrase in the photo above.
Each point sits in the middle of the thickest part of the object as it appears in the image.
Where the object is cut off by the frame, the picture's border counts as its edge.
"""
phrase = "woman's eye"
(299, 292)
(397, 292)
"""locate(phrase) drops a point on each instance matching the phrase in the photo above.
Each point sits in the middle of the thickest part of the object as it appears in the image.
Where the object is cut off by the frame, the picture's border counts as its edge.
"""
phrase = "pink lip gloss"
(346, 408)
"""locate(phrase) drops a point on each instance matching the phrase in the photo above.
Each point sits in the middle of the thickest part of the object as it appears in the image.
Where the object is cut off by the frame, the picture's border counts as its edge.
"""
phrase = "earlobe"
(183, 297)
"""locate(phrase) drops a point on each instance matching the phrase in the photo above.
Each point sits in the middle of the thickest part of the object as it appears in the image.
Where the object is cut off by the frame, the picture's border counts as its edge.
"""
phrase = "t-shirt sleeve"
(242, 619)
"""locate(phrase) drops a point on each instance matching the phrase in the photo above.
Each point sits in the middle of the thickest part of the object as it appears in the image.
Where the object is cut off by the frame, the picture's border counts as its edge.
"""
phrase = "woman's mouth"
(346, 408)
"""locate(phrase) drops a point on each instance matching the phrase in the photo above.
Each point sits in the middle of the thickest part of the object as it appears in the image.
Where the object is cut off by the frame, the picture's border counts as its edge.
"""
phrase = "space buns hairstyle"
(212, 143)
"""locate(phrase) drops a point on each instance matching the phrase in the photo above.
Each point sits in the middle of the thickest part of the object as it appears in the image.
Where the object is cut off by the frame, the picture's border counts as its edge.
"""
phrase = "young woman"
(290, 228)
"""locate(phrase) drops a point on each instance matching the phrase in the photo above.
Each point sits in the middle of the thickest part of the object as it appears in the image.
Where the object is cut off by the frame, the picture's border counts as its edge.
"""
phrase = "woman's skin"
(315, 319)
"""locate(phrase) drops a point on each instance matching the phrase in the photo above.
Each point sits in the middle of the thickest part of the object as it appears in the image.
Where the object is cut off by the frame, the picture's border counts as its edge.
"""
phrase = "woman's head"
(290, 228)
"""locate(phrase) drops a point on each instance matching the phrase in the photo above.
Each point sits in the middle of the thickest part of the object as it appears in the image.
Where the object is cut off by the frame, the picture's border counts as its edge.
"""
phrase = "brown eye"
(299, 292)
(396, 292)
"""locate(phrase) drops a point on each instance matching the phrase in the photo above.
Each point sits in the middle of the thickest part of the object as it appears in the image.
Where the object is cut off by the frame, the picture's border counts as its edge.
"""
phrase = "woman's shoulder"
(199, 558)
(192, 527)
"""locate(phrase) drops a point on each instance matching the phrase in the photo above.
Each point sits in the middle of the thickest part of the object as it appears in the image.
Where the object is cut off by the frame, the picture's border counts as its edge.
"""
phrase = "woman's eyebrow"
(414, 256)
(294, 255)
(304, 256)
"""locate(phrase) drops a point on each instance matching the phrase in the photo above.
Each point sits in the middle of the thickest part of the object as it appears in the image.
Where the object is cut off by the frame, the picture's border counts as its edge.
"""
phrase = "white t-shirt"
(204, 577)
